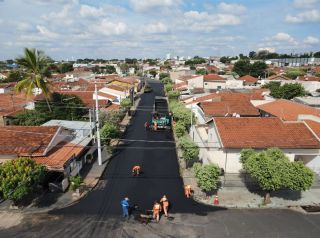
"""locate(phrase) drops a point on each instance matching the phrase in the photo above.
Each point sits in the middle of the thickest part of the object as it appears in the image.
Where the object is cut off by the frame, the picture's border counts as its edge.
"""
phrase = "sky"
(72, 29)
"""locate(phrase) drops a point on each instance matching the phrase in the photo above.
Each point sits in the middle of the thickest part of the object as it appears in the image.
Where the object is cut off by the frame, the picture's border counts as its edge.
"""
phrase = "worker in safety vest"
(187, 190)
(156, 211)
(165, 204)
(136, 170)
(155, 125)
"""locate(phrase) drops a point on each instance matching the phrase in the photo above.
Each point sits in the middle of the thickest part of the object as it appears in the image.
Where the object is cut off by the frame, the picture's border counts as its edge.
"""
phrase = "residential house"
(6, 87)
(214, 81)
(248, 80)
(114, 91)
(222, 139)
(309, 101)
(175, 75)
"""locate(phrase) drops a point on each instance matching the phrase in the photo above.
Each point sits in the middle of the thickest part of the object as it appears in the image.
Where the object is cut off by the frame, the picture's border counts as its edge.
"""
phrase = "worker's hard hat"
(126, 198)
(164, 196)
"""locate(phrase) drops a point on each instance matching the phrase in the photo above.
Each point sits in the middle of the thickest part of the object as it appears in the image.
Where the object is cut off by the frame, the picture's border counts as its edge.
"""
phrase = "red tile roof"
(309, 78)
(57, 157)
(278, 77)
(315, 126)
(288, 110)
(248, 78)
(228, 96)
(9, 104)
(86, 97)
(262, 133)
(25, 140)
(188, 77)
(113, 107)
(106, 95)
(242, 107)
(117, 88)
(213, 77)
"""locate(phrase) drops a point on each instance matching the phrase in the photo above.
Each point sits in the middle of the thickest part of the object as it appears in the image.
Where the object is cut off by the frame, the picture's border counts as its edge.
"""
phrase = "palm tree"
(35, 62)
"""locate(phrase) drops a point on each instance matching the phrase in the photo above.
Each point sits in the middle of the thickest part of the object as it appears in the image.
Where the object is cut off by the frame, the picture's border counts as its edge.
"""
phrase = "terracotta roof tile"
(279, 77)
(106, 95)
(262, 133)
(12, 103)
(25, 140)
(248, 78)
(59, 156)
(288, 110)
(117, 88)
(213, 77)
(242, 108)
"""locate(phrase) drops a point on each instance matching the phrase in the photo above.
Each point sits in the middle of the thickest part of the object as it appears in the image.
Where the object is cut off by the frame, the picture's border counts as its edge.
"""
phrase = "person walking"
(165, 205)
(136, 170)
(156, 211)
(187, 190)
(125, 207)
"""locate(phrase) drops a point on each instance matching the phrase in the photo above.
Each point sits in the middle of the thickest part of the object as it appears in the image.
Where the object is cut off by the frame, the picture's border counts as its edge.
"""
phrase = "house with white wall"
(223, 138)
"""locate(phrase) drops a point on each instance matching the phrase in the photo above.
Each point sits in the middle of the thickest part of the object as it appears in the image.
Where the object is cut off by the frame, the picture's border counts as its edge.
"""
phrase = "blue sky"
(67, 29)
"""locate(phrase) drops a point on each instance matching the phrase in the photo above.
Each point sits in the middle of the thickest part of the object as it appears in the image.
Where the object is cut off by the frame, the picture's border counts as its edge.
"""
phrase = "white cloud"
(43, 31)
(109, 28)
(310, 40)
(89, 11)
(141, 6)
(232, 8)
(158, 27)
(64, 16)
(281, 36)
(307, 16)
(203, 21)
(306, 3)
(23, 26)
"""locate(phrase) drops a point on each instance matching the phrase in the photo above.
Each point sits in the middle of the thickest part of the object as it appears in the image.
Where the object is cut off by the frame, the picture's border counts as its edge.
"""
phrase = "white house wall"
(214, 85)
(195, 82)
(234, 84)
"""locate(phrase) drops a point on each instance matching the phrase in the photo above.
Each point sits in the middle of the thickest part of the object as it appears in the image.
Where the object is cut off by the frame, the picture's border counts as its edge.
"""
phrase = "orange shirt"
(136, 168)
(165, 202)
(156, 207)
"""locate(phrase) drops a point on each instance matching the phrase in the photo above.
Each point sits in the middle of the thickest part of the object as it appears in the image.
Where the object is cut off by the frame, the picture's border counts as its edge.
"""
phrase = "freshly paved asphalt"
(99, 213)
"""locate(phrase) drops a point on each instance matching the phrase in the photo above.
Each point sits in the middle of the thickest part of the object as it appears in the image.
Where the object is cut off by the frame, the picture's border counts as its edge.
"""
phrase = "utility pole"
(97, 125)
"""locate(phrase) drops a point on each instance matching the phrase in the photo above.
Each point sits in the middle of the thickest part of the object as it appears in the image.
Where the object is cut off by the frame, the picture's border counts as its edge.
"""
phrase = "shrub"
(76, 182)
(167, 80)
(168, 87)
(19, 177)
(190, 151)
(207, 176)
(109, 131)
(173, 95)
(180, 129)
(125, 104)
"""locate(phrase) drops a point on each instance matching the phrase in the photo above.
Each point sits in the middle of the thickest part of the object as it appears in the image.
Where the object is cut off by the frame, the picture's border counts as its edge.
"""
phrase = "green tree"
(173, 95)
(252, 54)
(163, 75)
(180, 129)
(242, 67)
(168, 87)
(258, 68)
(153, 72)
(30, 118)
(35, 63)
(294, 73)
(181, 113)
(292, 90)
(207, 176)
(273, 171)
(65, 67)
(125, 103)
(109, 131)
(316, 54)
(190, 150)
(16, 76)
(167, 80)
(201, 71)
(19, 177)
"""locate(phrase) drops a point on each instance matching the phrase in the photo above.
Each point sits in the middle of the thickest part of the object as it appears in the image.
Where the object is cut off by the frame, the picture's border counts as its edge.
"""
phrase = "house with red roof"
(249, 80)
(214, 81)
(223, 138)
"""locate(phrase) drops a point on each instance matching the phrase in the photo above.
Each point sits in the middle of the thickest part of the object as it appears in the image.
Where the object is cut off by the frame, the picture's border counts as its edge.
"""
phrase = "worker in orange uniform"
(156, 211)
(187, 190)
(136, 170)
(155, 125)
(165, 205)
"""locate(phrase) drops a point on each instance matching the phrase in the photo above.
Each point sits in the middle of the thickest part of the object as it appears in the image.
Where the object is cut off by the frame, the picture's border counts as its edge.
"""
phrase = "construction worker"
(146, 125)
(136, 170)
(125, 207)
(165, 204)
(187, 190)
(156, 211)
(155, 125)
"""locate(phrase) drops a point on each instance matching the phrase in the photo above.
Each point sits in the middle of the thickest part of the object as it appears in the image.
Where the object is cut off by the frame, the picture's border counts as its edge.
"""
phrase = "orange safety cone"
(216, 200)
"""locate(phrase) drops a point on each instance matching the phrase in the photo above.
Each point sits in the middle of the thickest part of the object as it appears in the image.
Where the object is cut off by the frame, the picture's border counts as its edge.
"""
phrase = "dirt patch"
(10, 219)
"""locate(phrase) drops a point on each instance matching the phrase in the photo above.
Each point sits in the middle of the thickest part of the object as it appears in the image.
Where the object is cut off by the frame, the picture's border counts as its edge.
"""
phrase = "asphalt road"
(99, 213)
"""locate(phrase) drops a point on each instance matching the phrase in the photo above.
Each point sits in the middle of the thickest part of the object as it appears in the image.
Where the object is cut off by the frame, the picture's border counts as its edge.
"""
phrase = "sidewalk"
(239, 196)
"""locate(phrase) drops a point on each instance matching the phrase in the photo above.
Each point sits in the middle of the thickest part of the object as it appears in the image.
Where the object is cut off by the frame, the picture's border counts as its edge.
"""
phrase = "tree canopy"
(207, 176)
(273, 171)
(19, 177)
(244, 67)
(286, 91)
